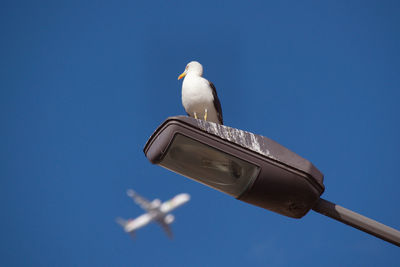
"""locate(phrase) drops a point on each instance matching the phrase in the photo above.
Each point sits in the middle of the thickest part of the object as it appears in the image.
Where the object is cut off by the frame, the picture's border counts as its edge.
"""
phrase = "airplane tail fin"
(121, 221)
(132, 234)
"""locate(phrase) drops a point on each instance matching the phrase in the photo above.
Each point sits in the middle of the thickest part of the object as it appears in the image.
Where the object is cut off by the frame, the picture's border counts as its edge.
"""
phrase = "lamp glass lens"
(209, 165)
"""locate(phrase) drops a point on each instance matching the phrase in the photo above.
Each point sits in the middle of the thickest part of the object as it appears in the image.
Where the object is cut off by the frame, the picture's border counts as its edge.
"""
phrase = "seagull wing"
(217, 104)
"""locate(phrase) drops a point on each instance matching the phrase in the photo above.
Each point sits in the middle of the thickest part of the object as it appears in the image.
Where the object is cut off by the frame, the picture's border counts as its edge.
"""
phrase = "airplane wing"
(175, 202)
(134, 224)
(166, 229)
(141, 201)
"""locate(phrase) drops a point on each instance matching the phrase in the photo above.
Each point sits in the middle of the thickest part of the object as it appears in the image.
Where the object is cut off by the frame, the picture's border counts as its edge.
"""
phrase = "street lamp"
(251, 168)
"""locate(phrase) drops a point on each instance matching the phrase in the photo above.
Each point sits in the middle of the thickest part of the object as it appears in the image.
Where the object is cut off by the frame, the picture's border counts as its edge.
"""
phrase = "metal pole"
(358, 221)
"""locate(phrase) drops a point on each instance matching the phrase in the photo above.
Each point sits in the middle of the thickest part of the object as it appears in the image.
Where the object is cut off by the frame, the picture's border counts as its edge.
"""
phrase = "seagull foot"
(205, 115)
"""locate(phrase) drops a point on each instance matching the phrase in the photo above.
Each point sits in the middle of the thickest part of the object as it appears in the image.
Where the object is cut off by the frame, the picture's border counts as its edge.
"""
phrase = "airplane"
(156, 211)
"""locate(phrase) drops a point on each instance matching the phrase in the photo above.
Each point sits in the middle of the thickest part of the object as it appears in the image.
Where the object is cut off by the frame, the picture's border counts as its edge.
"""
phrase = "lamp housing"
(249, 167)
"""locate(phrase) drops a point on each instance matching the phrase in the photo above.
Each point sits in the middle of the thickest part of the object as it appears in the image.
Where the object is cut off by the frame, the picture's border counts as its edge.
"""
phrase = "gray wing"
(217, 104)
(166, 228)
(141, 201)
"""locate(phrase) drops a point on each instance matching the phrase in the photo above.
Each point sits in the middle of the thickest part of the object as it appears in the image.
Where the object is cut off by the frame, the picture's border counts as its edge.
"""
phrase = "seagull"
(199, 96)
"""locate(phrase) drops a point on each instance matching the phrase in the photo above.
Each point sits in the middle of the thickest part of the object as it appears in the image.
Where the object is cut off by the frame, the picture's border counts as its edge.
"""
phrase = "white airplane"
(156, 211)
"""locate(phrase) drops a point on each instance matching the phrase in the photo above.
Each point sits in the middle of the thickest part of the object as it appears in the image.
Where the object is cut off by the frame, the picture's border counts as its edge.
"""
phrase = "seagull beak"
(182, 75)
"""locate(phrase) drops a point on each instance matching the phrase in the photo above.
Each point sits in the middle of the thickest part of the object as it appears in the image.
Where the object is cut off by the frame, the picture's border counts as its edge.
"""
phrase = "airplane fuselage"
(156, 211)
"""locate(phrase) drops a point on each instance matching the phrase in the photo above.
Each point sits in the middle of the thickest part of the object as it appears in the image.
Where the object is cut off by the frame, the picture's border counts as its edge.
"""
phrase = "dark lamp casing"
(281, 181)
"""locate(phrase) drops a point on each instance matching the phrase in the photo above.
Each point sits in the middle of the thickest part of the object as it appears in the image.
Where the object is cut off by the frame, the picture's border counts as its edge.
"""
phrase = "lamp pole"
(358, 221)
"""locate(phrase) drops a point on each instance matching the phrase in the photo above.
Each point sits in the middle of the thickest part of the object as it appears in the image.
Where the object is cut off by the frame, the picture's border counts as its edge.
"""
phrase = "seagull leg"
(195, 115)
(205, 115)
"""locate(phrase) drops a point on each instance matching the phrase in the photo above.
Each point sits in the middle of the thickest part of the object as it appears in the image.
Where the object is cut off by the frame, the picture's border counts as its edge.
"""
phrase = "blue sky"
(83, 85)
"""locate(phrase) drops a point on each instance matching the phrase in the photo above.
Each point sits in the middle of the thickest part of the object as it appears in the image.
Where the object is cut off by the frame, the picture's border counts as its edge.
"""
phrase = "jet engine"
(169, 218)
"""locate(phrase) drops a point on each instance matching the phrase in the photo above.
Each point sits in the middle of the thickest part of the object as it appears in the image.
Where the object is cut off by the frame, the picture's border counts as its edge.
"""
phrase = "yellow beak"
(182, 75)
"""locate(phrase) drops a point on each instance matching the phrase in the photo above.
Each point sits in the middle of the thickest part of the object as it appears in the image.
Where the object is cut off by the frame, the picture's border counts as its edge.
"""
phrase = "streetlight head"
(249, 167)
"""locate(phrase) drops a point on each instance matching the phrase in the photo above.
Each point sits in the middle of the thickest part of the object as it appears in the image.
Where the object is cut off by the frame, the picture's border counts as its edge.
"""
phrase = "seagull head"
(193, 67)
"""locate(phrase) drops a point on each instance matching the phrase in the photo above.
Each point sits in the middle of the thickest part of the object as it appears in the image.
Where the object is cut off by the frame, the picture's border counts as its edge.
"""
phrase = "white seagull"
(199, 96)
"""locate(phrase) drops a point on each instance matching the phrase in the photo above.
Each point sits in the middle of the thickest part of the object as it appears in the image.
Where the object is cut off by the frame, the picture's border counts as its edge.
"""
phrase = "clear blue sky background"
(83, 85)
